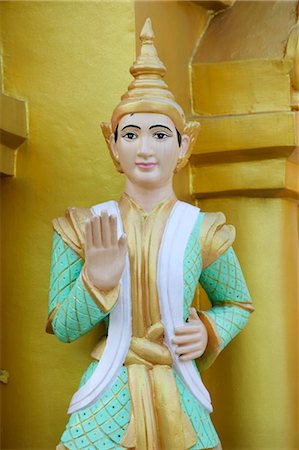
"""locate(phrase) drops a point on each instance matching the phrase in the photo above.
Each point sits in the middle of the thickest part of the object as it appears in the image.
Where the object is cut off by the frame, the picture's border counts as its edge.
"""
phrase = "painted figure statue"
(135, 265)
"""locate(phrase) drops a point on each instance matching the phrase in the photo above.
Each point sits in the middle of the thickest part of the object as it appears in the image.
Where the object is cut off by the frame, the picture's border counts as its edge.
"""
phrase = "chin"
(148, 180)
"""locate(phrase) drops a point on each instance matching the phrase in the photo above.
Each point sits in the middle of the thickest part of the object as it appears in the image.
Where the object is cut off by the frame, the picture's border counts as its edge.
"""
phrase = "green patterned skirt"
(102, 425)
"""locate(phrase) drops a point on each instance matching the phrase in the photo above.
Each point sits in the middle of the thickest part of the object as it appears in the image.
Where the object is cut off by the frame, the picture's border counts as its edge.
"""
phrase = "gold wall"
(70, 61)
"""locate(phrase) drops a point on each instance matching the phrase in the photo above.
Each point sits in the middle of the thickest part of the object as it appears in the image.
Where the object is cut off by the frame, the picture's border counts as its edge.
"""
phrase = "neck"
(148, 198)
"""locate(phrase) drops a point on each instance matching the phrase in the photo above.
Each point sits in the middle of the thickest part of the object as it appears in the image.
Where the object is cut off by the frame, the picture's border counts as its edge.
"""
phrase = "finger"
(122, 244)
(193, 314)
(105, 228)
(113, 229)
(97, 237)
(183, 349)
(186, 329)
(93, 230)
(88, 234)
(190, 356)
(185, 338)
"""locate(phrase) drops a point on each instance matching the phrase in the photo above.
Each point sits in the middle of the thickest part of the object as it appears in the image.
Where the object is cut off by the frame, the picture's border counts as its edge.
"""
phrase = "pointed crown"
(148, 92)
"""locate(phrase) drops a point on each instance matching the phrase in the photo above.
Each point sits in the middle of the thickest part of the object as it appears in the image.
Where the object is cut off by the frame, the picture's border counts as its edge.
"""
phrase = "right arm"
(75, 306)
(83, 293)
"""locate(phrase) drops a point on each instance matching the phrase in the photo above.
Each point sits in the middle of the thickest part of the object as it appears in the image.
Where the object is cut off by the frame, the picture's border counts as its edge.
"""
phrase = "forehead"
(146, 120)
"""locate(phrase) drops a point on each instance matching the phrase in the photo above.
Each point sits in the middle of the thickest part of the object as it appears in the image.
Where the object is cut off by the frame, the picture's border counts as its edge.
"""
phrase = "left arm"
(205, 336)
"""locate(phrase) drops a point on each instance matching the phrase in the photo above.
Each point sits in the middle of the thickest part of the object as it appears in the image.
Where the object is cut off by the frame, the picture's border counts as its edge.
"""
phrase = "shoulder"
(216, 236)
(71, 227)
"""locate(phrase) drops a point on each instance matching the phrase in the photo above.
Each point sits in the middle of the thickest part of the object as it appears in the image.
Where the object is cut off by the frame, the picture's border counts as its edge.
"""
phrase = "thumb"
(193, 314)
(122, 244)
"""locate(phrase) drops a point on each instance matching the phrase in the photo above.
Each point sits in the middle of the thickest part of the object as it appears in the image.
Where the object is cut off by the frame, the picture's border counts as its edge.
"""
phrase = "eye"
(160, 135)
(130, 135)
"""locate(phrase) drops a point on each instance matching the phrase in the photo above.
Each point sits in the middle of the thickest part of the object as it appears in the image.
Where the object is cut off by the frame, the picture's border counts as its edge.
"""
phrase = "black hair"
(179, 137)
(116, 134)
(177, 132)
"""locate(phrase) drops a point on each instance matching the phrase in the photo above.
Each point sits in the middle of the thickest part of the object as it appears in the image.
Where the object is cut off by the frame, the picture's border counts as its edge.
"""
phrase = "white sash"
(170, 284)
(119, 333)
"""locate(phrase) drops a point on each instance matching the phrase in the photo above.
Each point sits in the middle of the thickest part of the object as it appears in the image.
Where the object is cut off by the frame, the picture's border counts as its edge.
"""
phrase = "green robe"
(74, 312)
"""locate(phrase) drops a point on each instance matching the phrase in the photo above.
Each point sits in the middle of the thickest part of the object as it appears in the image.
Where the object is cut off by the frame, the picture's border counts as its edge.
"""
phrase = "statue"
(135, 265)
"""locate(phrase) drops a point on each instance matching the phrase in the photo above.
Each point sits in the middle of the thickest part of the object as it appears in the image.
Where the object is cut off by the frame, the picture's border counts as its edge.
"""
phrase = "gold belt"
(157, 418)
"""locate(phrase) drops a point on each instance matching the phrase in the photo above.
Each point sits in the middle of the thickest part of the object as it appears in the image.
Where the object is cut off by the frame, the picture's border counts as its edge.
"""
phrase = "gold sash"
(157, 418)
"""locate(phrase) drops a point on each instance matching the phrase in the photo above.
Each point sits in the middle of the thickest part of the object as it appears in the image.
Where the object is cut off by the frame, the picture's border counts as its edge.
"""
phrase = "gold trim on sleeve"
(103, 299)
(214, 343)
(246, 306)
(49, 327)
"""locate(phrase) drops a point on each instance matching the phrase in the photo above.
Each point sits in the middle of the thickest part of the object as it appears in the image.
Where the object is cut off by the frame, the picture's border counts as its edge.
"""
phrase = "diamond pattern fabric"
(77, 313)
(224, 283)
(103, 425)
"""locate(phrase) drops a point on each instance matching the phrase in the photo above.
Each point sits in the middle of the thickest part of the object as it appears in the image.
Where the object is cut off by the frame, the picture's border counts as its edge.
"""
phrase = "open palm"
(104, 254)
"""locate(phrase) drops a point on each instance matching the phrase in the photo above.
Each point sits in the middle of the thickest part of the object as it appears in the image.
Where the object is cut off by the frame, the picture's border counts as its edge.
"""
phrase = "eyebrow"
(130, 126)
(162, 126)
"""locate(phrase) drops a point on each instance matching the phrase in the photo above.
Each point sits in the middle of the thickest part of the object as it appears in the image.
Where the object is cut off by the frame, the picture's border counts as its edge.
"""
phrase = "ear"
(188, 140)
(184, 145)
(113, 148)
(109, 138)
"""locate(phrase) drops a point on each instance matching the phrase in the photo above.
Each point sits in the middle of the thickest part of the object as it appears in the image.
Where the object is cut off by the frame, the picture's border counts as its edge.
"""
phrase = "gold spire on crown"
(148, 93)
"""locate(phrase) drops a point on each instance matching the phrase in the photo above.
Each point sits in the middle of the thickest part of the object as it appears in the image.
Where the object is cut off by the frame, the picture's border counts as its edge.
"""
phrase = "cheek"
(168, 156)
(127, 155)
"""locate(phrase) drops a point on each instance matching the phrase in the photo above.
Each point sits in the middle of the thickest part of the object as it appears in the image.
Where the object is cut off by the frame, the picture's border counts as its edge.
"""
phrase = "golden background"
(65, 65)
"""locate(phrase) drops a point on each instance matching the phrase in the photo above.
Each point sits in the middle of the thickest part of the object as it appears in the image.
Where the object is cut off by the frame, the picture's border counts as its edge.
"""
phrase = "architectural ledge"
(246, 136)
(13, 131)
(267, 178)
(254, 155)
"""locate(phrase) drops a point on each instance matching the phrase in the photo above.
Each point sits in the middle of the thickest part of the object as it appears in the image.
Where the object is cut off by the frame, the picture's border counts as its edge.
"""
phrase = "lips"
(146, 165)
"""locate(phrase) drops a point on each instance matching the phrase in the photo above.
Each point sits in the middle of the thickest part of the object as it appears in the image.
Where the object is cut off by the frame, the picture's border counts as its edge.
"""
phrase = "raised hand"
(191, 339)
(104, 254)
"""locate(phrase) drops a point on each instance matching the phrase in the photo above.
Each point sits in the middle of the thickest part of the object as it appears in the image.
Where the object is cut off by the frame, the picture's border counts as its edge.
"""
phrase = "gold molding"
(246, 136)
(267, 178)
(13, 129)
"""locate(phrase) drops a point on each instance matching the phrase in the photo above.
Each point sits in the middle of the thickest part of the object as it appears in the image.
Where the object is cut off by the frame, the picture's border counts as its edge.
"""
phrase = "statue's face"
(148, 149)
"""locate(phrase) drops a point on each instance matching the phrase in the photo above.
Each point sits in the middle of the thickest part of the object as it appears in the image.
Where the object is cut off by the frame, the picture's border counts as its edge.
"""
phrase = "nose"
(145, 149)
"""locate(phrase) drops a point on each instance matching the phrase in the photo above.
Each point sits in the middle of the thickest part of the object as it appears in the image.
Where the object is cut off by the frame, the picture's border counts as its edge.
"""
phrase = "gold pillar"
(246, 165)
